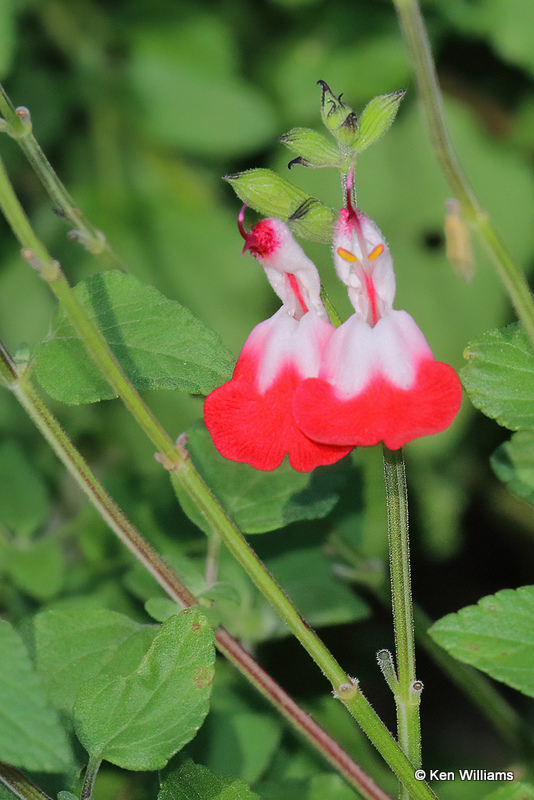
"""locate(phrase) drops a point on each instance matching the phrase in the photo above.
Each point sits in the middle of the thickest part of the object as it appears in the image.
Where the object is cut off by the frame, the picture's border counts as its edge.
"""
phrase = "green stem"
(169, 581)
(408, 689)
(18, 126)
(91, 771)
(512, 277)
(19, 784)
(474, 684)
(184, 474)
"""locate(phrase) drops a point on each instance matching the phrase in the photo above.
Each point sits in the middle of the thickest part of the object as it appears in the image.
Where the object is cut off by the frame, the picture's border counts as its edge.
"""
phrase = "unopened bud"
(25, 117)
(339, 118)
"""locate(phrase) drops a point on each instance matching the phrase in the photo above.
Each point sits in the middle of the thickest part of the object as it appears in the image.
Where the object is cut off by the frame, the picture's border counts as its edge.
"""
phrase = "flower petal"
(381, 411)
(258, 429)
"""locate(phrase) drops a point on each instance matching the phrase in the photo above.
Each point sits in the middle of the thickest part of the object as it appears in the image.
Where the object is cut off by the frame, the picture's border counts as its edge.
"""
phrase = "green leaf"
(239, 742)
(74, 646)
(496, 636)
(514, 791)
(273, 196)
(36, 567)
(313, 148)
(499, 376)
(377, 117)
(140, 719)
(513, 463)
(23, 497)
(308, 579)
(158, 343)
(261, 501)
(30, 733)
(194, 782)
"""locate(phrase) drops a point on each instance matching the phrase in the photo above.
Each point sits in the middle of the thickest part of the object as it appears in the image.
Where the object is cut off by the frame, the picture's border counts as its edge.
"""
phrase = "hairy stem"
(19, 784)
(407, 690)
(512, 277)
(91, 771)
(184, 474)
(18, 126)
(128, 534)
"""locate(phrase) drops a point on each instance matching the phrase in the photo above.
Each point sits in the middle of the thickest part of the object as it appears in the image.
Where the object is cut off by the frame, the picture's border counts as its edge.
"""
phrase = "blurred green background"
(142, 106)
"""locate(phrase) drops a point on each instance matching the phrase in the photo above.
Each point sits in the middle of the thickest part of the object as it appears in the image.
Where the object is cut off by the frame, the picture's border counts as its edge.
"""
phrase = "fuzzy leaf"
(73, 646)
(158, 343)
(140, 719)
(496, 636)
(261, 501)
(499, 376)
(31, 736)
(313, 148)
(273, 196)
(377, 117)
(194, 781)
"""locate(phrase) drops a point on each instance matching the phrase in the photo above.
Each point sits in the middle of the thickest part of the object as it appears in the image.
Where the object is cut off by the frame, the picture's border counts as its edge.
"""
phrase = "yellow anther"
(346, 254)
(375, 252)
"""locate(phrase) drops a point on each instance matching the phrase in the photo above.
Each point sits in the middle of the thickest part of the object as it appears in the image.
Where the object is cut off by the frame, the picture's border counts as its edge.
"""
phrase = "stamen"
(347, 255)
(375, 252)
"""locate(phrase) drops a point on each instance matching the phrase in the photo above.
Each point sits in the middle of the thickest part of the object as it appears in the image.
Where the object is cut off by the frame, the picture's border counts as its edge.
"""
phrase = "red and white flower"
(249, 417)
(378, 379)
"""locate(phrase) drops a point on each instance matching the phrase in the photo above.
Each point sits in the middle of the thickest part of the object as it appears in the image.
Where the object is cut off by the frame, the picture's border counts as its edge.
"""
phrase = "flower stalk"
(20, 386)
(407, 689)
(184, 474)
(513, 279)
(17, 124)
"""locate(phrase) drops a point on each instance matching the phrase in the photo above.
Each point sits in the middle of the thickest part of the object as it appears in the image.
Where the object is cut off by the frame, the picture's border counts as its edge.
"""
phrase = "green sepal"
(312, 148)
(273, 196)
(377, 117)
(339, 118)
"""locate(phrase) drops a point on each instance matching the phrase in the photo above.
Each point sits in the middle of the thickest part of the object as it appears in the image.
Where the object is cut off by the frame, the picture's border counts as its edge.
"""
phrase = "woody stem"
(407, 688)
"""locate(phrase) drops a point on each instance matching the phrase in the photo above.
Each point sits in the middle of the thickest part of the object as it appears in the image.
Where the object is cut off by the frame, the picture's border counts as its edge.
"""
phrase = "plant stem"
(91, 771)
(18, 126)
(407, 691)
(170, 582)
(19, 784)
(185, 476)
(512, 277)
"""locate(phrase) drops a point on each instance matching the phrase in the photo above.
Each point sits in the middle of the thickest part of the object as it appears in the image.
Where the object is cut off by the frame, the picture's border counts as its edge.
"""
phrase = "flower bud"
(339, 118)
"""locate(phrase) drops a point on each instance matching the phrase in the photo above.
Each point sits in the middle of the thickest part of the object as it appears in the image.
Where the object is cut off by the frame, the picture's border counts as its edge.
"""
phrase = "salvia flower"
(378, 380)
(249, 417)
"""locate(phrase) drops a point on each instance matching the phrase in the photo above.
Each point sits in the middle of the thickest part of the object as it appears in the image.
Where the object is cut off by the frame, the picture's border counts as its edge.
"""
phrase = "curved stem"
(512, 277)
(171, 583)
(185, 476)
(18, 126)
(407, 690)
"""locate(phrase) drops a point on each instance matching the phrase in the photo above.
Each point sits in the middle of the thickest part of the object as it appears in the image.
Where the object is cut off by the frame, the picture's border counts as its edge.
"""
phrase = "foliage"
(142, 107)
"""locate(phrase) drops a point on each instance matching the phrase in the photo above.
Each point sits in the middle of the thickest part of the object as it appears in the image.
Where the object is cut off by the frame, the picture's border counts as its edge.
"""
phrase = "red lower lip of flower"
(258, 429)
(381, 412)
